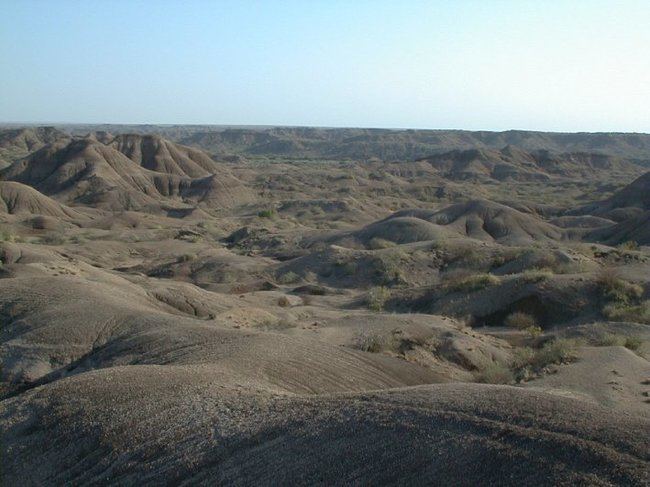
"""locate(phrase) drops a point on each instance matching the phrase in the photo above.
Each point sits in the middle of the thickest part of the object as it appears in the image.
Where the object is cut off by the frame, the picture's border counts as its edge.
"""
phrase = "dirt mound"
(43, 339)
(17, 143)
(626, 202)
(481, 164)
(636, 194)
(88, 172)
(634, 229)
(157, 154)
(17, 198)
(610, 376)
(487, 220)
(586, 221)
(401, 230)
(143, 423)
(511, 163)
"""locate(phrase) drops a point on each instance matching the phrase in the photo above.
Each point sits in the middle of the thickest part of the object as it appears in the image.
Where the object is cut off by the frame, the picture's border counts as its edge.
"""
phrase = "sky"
(573, 65)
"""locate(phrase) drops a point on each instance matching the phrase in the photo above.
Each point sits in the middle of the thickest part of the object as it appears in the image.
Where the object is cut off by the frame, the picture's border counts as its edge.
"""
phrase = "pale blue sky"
(485, 64)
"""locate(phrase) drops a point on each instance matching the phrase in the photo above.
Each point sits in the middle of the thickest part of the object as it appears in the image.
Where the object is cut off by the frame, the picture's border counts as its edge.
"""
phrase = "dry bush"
(506, 255)
(7, 236)
(536, 275)
(345, 267)
(629, 245)
(466, 255)
(78, 239)
(377, 243)
(284, 302)
(545, 260)
(471, 283)
(266, 213)
(289, 277)
(522, 357)
(528, 362)
(186, 257)
(622, 312)
(611, 340)
(525, 322)
(558, 351)
(52, 239)
(377, 298)
(616, 289)
(369, 342)
(388, 267)
(520, 320)
(494, 373)
(274, 325)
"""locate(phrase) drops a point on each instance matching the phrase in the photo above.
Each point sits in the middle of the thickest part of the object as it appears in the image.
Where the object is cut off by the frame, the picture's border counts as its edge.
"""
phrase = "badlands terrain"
(296, 306)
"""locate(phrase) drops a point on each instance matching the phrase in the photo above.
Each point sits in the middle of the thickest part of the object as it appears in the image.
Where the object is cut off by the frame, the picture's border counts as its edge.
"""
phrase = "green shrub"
(520, 320)
(615, 289)
(347, 268)
(377, 243)
(525, 322)
(266, 213)
(7, 236)
(536, 275)
(388, 267)
(78, 239)
(558, 351)
(623, 312)
(377, 298)
(494, 373)
(472, 283)
(629, 245)
(186, 257)
(467, 256)
(610, 340)
(633, 343)
(289, 277)
(522, 357)
(526, 361)
(369, 342)
(52, 239)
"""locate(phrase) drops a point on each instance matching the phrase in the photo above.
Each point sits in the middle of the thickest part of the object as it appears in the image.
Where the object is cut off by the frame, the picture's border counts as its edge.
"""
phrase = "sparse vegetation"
(525, 322)
(528, 362)
(377, 243)
(615, 289)
(611, 340)
(536, 275)
(629, 245)
(186, 257)
(377, 298)
(266, 213)
(289, 277)
(494, 373)
(520, 320)
(622, 312)
(471, 283)
(6, 236)
(557, 351)
(369, 342)
(622, 298)
(52, 239)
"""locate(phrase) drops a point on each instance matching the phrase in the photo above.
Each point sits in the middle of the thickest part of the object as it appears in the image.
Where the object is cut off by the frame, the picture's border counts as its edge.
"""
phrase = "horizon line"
(326, 127)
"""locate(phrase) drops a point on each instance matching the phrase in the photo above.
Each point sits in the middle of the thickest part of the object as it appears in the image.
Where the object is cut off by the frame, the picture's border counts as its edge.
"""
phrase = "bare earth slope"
(85, 171)
(141, 423)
